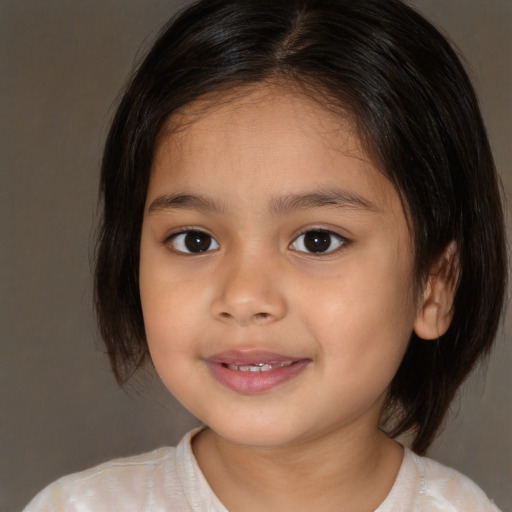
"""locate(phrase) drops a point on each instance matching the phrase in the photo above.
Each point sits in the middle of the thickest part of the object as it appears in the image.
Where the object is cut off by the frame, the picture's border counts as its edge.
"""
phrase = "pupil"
(317, 241)
(195, 241)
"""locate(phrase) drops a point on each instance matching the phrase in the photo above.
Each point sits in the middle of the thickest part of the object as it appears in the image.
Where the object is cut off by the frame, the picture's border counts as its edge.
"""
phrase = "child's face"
(276, 272)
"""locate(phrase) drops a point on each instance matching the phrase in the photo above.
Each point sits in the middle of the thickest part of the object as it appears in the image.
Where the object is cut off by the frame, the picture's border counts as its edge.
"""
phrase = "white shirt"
(169, 480)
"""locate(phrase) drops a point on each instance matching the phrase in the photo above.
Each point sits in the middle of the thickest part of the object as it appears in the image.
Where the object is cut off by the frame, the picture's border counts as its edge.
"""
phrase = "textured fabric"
(169, 480)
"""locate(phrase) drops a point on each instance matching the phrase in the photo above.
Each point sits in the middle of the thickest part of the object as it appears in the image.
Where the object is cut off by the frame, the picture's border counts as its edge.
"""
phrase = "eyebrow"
(185, 202)
(320, 199)
(278, 205)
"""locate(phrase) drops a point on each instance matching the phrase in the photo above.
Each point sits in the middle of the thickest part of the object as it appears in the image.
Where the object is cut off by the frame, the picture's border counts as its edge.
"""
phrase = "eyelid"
(169, 238)
(344, 241)
(184, 229)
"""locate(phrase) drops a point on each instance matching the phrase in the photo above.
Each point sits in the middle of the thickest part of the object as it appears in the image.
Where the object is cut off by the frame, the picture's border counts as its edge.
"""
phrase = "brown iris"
(197, 241)
(317, 241)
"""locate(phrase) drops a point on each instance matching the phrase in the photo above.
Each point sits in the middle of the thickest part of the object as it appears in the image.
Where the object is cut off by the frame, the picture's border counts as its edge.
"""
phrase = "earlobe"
(435, 310)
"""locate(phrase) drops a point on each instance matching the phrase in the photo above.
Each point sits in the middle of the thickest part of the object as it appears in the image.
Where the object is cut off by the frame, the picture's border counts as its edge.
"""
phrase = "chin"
(255, 434)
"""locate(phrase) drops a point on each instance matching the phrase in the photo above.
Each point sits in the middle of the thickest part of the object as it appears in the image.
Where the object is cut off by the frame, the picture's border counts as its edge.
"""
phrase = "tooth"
(258, 367)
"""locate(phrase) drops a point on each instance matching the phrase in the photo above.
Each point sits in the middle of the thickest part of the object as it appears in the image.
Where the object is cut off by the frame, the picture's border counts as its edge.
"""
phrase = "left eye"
(318, 241)
(193, 242)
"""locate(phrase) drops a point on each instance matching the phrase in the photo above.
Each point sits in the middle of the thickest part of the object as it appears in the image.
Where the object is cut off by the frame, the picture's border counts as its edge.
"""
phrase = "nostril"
(261, 316)
(244, 308)
(257, 317)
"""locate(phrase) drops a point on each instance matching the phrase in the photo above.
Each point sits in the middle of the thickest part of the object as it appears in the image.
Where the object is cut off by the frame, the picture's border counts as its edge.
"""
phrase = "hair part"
(417, 117)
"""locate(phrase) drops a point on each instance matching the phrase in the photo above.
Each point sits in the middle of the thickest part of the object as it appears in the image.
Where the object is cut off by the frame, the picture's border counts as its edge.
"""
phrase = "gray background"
(62, 64)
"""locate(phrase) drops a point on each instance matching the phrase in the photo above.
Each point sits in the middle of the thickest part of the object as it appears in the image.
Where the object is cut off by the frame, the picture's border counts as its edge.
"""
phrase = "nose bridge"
(249, 289)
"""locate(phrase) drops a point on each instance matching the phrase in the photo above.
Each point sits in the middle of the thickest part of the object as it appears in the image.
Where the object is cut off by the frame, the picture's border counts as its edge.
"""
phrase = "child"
(302, 229)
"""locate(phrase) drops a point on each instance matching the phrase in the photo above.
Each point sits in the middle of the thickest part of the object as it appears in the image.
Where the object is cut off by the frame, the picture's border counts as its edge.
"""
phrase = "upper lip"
(238, 357)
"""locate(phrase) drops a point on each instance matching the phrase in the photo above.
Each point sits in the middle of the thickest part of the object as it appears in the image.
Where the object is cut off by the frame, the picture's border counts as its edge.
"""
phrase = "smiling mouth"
(254, 371)
(257, 367)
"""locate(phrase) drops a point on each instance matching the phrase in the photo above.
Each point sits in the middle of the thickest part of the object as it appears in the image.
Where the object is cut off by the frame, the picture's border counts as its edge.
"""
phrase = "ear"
(435, 311)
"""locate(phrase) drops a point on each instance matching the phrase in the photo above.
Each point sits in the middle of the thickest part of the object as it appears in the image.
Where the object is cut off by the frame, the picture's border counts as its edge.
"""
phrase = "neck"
(349, 471)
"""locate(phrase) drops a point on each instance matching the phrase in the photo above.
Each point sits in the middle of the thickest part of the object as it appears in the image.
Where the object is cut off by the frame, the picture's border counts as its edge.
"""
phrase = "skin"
(348, 311)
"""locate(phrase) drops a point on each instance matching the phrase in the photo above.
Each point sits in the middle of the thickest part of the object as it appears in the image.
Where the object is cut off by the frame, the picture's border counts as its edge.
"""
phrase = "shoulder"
(441, 488)
(120, 484)
(423, 485)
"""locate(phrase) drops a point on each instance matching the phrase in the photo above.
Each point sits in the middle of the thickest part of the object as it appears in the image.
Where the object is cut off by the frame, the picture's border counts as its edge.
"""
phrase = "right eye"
(193, 242)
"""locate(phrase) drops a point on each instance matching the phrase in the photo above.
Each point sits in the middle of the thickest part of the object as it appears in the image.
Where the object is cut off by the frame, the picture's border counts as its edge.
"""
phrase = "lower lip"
(255, 382)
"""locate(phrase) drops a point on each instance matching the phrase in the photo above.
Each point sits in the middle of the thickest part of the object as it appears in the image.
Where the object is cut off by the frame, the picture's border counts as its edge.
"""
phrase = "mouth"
(257, 367)
(254, 372)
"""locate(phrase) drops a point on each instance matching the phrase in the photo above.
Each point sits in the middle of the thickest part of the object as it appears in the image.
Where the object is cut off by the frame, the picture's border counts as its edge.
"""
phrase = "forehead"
(259, 112)
(267, 132)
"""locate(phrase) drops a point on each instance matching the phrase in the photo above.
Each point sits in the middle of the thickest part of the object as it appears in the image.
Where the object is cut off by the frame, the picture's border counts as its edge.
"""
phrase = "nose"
(249, 292)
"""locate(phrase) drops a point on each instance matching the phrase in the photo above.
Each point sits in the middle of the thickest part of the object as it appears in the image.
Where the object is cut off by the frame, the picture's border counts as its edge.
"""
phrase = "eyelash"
(341, 240)
(171, 239)
(321, 235)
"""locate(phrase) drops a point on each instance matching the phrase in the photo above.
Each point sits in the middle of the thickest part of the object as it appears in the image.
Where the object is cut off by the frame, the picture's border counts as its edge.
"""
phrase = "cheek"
(365, 335)
(170, 305)
(366, 314)
(170, 311)
(173, 334)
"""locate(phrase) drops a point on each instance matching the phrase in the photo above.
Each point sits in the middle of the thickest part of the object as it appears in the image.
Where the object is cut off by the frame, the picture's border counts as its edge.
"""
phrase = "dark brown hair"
(417, 115)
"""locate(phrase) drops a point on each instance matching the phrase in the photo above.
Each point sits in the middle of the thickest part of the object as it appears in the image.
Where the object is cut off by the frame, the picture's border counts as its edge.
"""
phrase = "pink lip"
(282, 369)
